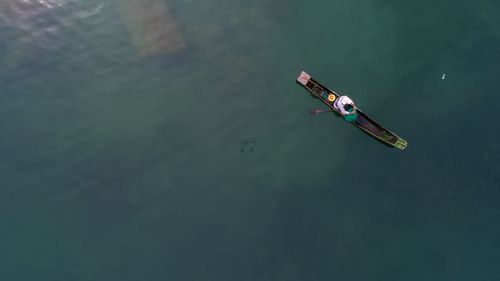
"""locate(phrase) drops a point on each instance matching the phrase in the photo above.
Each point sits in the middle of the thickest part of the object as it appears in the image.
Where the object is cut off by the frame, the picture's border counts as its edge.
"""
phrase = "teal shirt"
(351, 117)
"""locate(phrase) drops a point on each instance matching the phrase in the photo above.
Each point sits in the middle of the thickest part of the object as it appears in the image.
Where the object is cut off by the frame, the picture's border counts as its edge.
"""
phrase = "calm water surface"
(167, 140)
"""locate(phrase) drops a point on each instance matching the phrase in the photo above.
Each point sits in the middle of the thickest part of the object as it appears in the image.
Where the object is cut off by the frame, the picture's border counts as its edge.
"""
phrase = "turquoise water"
(203, 163)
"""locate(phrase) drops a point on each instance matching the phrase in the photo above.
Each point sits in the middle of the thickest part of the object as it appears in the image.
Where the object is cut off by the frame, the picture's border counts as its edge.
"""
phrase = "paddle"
(318, 111)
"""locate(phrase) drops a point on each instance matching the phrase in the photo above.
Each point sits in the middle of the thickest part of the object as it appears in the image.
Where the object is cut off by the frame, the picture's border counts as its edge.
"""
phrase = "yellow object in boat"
(331, 97)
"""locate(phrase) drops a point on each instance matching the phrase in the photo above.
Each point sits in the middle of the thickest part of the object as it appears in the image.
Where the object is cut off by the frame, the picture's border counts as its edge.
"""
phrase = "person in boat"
(346, 108)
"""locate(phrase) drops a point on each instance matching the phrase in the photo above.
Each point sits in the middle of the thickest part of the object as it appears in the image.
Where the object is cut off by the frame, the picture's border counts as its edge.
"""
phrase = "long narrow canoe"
(363, 122)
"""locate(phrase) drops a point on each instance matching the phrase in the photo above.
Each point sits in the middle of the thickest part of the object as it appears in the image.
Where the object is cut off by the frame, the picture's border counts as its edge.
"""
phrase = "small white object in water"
(443, 76)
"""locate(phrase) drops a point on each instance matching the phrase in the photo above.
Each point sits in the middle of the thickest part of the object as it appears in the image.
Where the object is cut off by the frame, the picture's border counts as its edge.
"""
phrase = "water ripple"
(38, 26)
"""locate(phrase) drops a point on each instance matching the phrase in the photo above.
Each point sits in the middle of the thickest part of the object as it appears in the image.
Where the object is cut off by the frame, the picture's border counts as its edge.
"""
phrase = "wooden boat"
(363, 121)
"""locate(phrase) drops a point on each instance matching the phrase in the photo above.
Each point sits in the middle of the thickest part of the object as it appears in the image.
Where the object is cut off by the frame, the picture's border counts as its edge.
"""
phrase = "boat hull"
(363, 122)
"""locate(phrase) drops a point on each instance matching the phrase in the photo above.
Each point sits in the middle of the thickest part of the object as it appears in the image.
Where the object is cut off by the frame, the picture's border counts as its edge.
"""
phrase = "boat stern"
(303, 78)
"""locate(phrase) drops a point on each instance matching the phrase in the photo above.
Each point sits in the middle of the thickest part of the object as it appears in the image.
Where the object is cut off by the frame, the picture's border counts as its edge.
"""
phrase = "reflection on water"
(37, 26)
